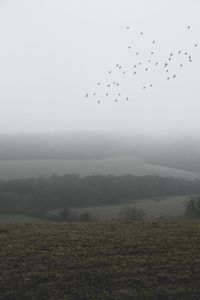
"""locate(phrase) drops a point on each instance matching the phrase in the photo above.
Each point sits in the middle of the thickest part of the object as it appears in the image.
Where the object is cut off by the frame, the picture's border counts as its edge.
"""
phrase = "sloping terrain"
(118, 165)
(155, 260)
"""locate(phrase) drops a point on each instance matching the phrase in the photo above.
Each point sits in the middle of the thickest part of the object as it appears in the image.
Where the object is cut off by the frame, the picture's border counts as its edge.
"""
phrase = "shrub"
(131, 214)
(85, 217)
(192, 208)
(67, 215)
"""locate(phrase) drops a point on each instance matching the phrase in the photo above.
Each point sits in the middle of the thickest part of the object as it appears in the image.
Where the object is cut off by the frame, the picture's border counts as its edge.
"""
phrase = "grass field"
(19, 219)
(100, 261)
(156, 207)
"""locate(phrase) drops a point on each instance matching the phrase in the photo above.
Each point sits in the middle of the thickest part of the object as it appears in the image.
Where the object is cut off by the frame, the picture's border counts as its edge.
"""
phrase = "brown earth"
(100, 261)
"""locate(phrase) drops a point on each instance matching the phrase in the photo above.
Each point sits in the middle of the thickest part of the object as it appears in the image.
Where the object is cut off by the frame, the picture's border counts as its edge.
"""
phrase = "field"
(100, 261)
(19, 219)
(157, 207)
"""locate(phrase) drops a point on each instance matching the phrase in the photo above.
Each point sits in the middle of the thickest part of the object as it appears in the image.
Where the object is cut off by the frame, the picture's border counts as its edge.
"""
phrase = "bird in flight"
(142, 56)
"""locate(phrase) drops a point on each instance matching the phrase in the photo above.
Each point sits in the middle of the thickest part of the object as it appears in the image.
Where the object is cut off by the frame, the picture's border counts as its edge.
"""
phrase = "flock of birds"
(139, 67)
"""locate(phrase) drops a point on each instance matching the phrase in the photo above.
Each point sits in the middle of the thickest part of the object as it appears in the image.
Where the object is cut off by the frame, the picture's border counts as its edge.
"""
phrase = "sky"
(53, 52)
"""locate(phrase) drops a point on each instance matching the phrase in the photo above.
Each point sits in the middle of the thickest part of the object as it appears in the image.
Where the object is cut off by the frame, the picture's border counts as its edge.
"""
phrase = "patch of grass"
(104, 261)
(15, 218)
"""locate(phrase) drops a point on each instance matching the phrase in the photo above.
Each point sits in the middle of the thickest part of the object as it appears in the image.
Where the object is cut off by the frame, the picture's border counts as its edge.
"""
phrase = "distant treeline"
(36, 196)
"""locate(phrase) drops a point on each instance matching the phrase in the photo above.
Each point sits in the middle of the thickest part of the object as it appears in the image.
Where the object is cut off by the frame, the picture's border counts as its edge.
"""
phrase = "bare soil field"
(100, 261)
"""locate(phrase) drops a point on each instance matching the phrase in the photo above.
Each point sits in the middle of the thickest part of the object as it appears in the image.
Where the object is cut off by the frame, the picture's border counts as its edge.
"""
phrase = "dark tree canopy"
(36, 196)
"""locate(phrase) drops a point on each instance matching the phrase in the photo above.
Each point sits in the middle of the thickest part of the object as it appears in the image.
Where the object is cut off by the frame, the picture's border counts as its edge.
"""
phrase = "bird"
(126, 98)
(146, 66)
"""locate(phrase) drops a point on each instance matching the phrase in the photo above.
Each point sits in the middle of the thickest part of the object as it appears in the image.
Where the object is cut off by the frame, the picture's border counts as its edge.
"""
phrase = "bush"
(67, 215)
(192, 208)
(131, 214)
(64, 215)
(85, 217)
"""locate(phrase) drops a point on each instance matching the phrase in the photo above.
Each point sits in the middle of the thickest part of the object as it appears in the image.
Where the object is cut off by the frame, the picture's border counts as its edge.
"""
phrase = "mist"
(52, 53)
(98, 152)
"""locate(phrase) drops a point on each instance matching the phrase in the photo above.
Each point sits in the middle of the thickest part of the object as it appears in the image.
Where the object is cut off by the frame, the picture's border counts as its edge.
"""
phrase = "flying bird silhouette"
(146, 57)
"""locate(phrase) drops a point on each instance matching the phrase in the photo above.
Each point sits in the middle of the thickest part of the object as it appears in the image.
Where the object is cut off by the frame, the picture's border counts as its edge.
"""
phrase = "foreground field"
(100, 261)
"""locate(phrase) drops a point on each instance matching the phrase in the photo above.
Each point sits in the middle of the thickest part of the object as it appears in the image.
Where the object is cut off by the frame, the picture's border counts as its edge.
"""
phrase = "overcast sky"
(53, 52)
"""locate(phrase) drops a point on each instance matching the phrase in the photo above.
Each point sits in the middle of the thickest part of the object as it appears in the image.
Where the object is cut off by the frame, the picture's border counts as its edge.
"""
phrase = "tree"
(66, 215)
(192, 208)
(85, 217)
(131, 214)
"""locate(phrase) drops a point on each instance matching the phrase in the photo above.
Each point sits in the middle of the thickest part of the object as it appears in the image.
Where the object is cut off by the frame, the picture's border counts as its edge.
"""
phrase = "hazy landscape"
(91, 153)
(99, 150)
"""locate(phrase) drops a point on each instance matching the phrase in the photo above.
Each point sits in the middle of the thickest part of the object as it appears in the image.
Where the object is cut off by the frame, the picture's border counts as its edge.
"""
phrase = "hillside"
(115, 261)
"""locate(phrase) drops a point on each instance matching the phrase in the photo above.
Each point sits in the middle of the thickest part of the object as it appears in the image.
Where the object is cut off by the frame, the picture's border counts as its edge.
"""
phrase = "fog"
(53, 52)
(98, 152)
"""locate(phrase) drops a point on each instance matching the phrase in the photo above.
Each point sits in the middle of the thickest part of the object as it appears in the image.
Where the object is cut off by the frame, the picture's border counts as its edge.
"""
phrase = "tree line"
(36, 196)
